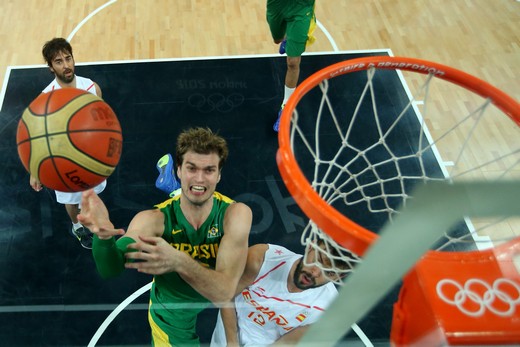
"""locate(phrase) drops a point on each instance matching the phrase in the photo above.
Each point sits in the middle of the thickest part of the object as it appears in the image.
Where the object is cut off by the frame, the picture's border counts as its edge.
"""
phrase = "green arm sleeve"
(109, 255)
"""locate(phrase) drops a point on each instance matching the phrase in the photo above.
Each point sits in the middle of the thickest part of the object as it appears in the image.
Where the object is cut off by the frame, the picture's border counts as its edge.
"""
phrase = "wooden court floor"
(480, 37)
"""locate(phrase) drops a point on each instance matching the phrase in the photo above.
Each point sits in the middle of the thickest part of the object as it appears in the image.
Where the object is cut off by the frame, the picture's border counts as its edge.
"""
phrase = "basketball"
(69, 139)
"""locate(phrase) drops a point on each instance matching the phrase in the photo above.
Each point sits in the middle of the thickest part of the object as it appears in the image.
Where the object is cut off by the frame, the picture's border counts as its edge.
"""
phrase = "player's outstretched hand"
(94, 215)
(35, 184)
(154, 256)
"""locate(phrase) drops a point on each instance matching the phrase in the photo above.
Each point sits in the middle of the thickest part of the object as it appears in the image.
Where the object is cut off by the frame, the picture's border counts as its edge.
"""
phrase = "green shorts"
(173, 326)
(294, 20)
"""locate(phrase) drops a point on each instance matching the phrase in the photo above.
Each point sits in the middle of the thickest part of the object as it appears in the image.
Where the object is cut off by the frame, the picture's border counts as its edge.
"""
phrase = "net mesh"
(364, 149)
(339, 262)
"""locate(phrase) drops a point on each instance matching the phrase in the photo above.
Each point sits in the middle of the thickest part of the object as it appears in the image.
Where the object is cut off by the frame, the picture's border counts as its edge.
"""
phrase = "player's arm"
(109, 255)
(292, 336)
(35, 183)
(229, 320)
(98, 90)
(255, 259)
(232, 257)
(218, 285)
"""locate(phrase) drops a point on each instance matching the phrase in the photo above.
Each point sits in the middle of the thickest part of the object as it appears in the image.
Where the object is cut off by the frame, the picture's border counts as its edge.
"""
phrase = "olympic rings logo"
(477, 295)
(215, 102)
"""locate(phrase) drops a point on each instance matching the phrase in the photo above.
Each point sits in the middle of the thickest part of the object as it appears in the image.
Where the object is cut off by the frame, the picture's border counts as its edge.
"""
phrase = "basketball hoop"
(315, 198)
(362, 149)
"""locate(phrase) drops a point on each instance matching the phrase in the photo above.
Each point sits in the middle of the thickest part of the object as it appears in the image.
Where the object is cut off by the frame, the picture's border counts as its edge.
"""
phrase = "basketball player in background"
(279, 296)
(195, 244)
(292, 24)
(57, 53)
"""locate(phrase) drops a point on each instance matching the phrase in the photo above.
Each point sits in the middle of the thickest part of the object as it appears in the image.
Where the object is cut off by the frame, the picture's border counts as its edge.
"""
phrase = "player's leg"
(83, 235)
(72, 201)
(299, 33)
(292, 75)
(72, 211)
(291, 80)
(275, 20)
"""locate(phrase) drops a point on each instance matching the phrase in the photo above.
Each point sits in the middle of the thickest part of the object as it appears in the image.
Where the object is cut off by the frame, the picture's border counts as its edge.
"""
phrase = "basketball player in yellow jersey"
(58, 56)
(195, 244)
(292, 24)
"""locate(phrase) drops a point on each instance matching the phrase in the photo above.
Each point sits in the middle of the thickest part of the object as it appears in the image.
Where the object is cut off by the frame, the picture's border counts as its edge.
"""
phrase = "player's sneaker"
(166, 180)
(281, 50)
(276, 125)
(84, 236)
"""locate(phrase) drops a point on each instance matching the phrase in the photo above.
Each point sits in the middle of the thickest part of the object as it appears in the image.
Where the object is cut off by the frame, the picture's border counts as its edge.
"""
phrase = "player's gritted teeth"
(197, 189)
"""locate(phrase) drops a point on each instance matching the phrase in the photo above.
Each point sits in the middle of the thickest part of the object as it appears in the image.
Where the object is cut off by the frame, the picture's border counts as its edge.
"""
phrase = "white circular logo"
(476, 295)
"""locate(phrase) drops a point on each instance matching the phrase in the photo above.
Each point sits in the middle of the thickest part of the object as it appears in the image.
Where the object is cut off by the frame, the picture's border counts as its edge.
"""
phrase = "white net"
(334, 261)
(365, 139)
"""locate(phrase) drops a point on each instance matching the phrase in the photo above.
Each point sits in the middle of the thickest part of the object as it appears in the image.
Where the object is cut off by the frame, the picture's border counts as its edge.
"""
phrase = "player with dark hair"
(195, 243)
(292, 24)
(279, 295)
(58, 56)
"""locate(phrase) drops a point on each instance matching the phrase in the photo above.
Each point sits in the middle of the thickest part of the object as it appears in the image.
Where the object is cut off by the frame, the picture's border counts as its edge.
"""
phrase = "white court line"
(4, 87)
(66, 308)
(328, 35)
(481, 241)
(87, 18)
(361, 335)
(247, 56)
(117, 310)
(146, 287)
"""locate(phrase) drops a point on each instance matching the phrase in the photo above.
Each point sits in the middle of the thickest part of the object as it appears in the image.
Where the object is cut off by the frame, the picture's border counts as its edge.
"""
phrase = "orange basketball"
(69, 139)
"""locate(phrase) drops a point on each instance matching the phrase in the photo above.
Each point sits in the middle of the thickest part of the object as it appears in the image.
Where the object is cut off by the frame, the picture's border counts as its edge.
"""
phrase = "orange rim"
(344, 231)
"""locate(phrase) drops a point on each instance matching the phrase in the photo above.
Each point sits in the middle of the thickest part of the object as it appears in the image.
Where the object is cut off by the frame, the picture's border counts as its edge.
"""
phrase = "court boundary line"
(216, 57)
(11, 68)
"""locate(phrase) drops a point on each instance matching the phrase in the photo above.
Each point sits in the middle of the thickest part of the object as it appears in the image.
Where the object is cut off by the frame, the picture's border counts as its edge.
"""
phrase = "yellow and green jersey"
(174, 304)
